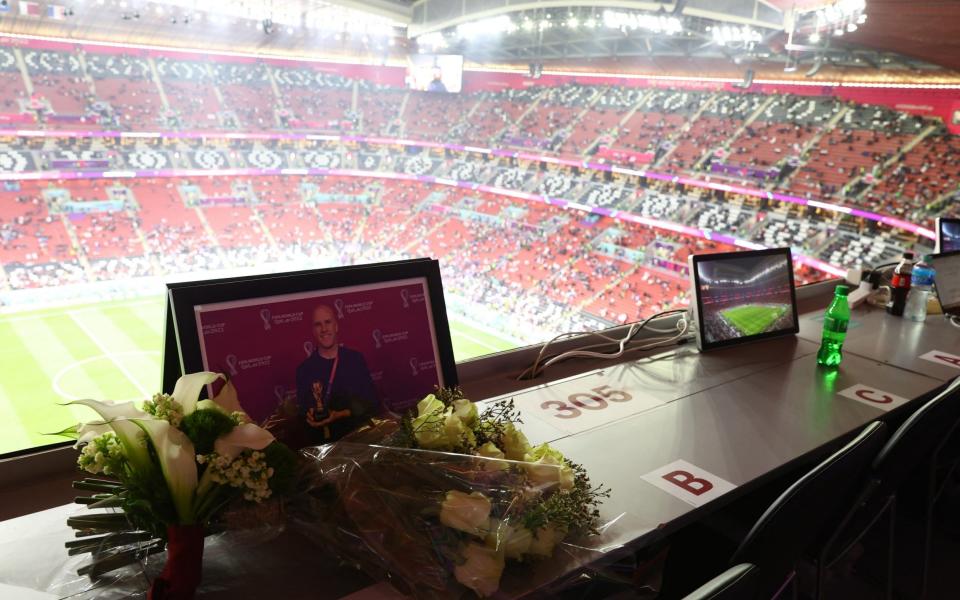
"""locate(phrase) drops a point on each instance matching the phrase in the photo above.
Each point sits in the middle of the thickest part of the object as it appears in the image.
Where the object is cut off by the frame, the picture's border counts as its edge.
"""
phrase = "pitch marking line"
(106, 352)
(470, 338)
(55, 313)
(58, 388)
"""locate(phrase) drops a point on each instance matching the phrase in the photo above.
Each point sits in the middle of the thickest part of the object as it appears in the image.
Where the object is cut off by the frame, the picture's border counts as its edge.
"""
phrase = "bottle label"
(901, 280)
(835, 325)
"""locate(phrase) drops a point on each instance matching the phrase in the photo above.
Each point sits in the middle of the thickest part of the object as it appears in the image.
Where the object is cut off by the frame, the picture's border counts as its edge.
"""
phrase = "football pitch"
(751, 319)
(105, 351)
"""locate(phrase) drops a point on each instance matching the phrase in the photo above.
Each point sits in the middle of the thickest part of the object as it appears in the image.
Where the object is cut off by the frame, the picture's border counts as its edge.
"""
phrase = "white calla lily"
(178, 461)
(188, 388)
(119, 418)
(242, 437)
(87, 431)
(227, 399)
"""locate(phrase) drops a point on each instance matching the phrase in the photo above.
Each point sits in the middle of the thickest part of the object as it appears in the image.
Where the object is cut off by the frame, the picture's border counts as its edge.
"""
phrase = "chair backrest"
(796, 518)
(916, 439)
(736, 583)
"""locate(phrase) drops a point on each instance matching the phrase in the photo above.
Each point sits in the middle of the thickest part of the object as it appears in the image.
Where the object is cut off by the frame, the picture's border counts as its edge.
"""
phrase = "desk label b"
(688, 482)
(872, 396)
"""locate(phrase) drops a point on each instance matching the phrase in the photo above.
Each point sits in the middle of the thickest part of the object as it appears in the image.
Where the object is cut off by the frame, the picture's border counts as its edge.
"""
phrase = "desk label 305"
(585, 402)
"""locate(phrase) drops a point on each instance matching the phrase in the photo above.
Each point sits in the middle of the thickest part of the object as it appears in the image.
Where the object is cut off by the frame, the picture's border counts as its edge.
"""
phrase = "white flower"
(545, 539)
(119, 417)
(490, 450)
(547, 467)
(86, 432)
(242, 437)
(187, 389)
(481, 569)
(466, 512)
(178, 461)
(515, 444)
(512, 540)
(466, 411)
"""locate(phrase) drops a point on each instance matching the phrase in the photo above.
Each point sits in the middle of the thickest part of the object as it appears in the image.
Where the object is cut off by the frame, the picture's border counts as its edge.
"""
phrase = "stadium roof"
(902, 38)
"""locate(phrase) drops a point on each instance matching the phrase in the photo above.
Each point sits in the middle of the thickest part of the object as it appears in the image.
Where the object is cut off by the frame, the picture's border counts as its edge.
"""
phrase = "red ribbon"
(181, 574)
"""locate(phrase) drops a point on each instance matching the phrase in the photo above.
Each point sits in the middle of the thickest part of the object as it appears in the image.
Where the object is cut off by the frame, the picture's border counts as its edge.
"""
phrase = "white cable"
(536, 367)
(584, 353)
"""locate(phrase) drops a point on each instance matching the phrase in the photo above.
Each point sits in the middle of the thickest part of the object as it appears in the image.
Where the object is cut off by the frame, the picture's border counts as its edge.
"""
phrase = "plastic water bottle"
(835, 323)
(920, 288)
(900, 286)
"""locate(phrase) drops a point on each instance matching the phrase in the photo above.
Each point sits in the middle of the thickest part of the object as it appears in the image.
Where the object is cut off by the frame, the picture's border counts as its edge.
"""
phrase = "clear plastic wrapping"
(439, 524)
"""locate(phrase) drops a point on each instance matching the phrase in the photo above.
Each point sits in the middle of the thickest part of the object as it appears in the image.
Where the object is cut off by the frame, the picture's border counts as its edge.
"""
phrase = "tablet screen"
(744, 296)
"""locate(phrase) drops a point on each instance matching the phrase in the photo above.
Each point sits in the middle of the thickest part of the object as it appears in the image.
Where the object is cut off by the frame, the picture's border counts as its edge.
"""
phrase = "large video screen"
(948, 236)
(435, 73)
(743, 296)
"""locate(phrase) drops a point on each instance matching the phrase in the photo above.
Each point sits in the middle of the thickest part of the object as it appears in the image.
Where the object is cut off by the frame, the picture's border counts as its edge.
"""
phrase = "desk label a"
(942, 358)
(688, 482)
(872, 396)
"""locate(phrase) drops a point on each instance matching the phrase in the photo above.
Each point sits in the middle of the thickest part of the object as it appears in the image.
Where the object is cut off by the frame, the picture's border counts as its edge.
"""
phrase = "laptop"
(947, 281)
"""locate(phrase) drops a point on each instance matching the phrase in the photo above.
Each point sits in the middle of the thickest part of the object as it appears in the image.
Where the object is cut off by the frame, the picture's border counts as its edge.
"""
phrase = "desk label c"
(942, 358)
(872, 396)
(688, 482)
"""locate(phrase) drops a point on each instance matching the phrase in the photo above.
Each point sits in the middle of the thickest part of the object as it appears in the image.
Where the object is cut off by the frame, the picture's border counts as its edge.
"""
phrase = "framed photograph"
(744, 296)
(320, 350)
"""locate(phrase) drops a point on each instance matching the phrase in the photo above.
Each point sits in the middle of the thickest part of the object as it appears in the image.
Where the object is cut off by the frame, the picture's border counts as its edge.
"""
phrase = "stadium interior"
(562, 167)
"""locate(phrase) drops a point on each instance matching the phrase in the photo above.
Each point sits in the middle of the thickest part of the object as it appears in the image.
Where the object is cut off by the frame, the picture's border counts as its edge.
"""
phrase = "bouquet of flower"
(442, 499)
(171, 467)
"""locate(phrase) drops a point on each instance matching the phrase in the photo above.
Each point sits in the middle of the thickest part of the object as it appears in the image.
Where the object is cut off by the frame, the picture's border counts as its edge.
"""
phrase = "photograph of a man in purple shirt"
(335, 392)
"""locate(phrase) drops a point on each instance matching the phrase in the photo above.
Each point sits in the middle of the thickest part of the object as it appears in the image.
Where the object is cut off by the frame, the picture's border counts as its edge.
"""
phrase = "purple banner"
(742, 171)
(221, 201)
(266, 344)
(525, 142)
(80, 164)
(54, 118)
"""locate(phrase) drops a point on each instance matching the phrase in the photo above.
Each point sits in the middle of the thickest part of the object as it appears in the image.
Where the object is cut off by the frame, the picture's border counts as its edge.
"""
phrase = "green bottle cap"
(841, 290)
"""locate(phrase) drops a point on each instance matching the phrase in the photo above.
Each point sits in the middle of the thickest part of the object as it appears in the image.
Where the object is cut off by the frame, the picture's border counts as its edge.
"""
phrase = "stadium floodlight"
(573, 23)
(434, 40)
(629, 21)
(727, 34)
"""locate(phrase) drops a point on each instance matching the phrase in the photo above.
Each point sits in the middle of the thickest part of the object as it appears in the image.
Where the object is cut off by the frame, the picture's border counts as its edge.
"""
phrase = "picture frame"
(389, 327)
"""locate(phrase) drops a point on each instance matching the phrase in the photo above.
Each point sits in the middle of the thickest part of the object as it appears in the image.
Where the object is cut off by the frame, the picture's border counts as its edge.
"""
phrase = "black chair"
(798, 516)
(913, 445)
(736, 583)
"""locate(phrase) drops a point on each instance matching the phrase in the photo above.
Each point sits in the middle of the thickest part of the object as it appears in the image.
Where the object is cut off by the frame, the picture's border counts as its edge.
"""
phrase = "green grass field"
(752, 319)
(106, 350)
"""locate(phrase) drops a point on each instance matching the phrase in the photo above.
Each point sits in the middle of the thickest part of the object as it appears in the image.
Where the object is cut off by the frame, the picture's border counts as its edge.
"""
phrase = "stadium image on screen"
(744, 297)
(949, 235)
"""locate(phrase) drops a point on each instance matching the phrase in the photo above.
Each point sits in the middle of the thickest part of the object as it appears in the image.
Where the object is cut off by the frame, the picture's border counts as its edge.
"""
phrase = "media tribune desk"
(674, 436)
